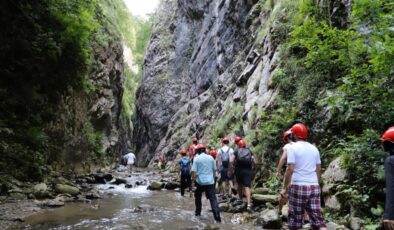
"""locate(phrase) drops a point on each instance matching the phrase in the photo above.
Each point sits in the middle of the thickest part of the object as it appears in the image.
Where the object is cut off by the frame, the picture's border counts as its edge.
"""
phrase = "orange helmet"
(286, 135)
(241, 144)
(194, 140)
(300, 131)
(226, 140)
(183, 152)
(213, 153)
(236, 140)
(388, 135)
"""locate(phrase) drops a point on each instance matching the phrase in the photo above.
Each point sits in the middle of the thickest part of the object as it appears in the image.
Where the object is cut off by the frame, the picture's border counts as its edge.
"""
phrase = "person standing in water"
(130, 160)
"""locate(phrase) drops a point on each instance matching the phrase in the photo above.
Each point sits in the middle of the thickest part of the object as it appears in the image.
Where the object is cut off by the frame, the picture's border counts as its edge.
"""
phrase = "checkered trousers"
(301, 198)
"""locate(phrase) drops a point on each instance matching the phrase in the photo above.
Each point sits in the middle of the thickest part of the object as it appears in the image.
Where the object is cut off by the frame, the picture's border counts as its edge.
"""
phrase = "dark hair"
(388, 146)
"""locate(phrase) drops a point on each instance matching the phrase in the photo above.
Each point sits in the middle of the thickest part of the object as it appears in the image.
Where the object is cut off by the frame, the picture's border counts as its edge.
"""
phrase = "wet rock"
(269, 219)
(119, 181)
(155, 185)
(40, 191)
(334, 226)
(261, 191)
(128, 186)
(51, 204)
(172, 185)
(17, 196)
(102, 178)
(143, 208)
(224, 207)
(62, 180)
(355, 223)
(212, 227)
(63, 188)
(93, 194)
(64, 198)
(262, 199)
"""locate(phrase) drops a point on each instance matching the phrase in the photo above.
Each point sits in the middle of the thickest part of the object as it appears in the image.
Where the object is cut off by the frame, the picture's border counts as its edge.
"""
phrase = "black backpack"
(244, 157)
(185, 169)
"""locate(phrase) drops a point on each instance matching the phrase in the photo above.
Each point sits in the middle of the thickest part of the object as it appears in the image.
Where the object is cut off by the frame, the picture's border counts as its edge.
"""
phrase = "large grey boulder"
(40, 191)
(67, 189)
(262, 199)
(333, 174)
(269, 219)
(155, 185)
(172, 185)
(261, 191)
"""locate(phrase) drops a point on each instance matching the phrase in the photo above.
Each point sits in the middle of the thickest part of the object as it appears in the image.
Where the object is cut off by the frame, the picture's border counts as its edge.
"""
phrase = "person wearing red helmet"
(302, 180)
(236, 140)
(388, 145)
(242, 161)
(283, 158)
(185, 165)
(203, 171)
(192, 148)
(223, 160)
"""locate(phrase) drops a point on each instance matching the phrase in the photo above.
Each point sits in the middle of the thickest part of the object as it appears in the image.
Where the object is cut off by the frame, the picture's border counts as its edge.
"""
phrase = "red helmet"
(200, 146)
(241, 144)
(194, 140)
(300, 131)
(286, 134)
(213, 153)
(183, 152)
(226, 139)
(388, 135)
(237, 139)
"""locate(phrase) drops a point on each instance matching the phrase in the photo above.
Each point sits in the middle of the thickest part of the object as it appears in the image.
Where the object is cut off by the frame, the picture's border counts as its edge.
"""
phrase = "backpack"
(225, 156)
(185, 169)
(244, 157)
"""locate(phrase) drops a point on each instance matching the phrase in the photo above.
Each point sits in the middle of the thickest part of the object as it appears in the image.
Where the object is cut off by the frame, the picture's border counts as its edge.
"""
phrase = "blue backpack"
(185, 169)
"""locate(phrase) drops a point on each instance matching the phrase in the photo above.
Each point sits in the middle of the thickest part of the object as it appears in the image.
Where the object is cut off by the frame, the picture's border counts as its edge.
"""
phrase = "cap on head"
(237, 139)
(300, 131)
(241, 144)
(388, 135)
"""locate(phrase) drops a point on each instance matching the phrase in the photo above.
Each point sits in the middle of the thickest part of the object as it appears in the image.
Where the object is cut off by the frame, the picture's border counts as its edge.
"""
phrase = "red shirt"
(192, 149)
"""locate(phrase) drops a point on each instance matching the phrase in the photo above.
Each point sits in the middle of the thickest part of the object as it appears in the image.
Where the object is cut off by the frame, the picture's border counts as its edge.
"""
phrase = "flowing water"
(118, 209)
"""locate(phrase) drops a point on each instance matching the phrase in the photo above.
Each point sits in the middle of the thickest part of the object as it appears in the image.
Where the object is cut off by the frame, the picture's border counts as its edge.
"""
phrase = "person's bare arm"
(282, 161)
(288, 175)
(193, 176)
(231, 165)
(318, 172)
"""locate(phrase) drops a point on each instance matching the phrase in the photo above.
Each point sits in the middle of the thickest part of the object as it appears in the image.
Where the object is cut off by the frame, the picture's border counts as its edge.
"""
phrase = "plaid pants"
(301, 198)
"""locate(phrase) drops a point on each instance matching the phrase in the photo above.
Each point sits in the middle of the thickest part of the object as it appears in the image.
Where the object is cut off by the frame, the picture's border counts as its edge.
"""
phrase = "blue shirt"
(204, 165)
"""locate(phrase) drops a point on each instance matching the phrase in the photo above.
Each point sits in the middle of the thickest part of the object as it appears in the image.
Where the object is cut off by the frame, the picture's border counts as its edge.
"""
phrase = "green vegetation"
(340, 78)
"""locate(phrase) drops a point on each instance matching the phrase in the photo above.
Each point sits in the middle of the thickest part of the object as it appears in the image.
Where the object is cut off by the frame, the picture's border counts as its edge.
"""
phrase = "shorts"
(224, 175)
(244, 177)
(301, 198)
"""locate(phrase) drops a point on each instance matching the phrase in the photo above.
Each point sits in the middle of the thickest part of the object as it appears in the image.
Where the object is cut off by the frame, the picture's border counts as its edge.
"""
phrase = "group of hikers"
(301, 186)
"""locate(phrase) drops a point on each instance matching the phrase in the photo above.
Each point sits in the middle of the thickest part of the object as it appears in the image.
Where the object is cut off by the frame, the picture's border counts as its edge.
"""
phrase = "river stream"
(132, 208)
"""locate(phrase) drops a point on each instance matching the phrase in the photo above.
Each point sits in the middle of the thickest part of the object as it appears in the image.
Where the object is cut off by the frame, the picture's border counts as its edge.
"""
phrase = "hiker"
(185, 165)
(388, 145)
(203, 171)
(283, 158)
(236, 140)
(213, 154)
(242, 161)
(223, 159)
(192, 148)
(162, 163)
(129, 158)
(302, 180)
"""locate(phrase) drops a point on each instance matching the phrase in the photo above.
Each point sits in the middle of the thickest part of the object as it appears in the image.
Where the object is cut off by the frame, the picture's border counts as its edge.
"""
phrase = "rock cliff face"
(208, 67)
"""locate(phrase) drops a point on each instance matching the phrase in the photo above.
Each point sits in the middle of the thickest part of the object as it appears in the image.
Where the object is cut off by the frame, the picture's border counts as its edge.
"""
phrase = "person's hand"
(284, 193)
(277, 174)
(388, 224)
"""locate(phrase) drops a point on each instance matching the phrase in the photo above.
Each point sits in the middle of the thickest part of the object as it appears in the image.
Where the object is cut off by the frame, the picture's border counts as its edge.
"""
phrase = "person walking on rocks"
(243, 163)
(130, 159)
(203, 170)
(185, 165)
(192, 148)
(388, 145)
(283, 158)
(302, 179)
(223, 160)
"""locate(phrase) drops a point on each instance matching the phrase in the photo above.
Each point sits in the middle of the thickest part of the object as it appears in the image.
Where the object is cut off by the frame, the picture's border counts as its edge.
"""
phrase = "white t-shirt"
(305, 157)
(225, 149)
(130, 157)
(287, 146)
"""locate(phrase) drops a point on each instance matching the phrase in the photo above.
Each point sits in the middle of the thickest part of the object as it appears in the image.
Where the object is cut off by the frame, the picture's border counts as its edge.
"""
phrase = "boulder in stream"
(269, 219)
(119, 181)
(262, 199)
(102, 178)
(261, 191)
(93, 194)
(63, 188)
(40, 191)
(155, 185)
(172, 185)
